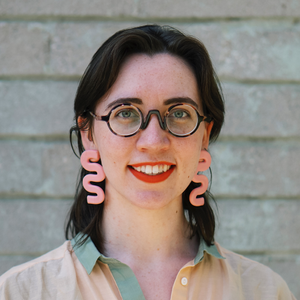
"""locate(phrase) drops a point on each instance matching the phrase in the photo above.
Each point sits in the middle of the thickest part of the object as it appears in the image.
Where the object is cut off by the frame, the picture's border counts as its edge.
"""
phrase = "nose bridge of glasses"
(147, 119)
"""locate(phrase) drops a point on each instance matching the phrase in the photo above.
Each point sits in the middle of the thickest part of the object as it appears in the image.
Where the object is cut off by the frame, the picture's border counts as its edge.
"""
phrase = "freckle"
(176, 211)
(157, 249)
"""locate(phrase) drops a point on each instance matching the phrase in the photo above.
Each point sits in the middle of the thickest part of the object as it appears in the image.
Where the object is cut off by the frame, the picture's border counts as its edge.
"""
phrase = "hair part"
(100, 76)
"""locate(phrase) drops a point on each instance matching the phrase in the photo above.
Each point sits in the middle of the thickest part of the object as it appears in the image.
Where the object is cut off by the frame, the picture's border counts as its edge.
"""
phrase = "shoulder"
(53, 258)
(42, 277)
(252, 277)
(246, 267)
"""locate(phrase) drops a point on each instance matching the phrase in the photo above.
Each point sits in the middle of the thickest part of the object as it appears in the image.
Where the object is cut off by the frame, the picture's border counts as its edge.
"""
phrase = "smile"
(152, 172)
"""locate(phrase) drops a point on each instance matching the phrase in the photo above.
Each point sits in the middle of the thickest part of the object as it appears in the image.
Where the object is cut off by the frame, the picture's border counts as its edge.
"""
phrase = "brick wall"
(255, 47)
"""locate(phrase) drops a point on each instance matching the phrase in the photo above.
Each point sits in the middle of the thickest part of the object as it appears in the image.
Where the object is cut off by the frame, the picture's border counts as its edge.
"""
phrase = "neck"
(132, 233)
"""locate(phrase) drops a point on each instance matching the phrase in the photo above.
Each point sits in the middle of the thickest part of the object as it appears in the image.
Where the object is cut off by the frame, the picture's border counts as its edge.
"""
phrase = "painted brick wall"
(255, 47)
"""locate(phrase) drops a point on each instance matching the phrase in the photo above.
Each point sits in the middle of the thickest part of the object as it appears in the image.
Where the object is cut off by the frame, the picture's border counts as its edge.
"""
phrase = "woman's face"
(153, 83)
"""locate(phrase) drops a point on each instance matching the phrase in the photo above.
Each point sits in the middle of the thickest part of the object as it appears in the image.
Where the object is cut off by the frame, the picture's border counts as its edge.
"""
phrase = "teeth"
(148, 170)
(152, 170)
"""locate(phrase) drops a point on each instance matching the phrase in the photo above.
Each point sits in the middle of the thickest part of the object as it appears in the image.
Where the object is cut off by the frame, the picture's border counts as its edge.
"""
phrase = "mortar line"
(222, 139)
(45, 18)
(218, 198)
(76, 78)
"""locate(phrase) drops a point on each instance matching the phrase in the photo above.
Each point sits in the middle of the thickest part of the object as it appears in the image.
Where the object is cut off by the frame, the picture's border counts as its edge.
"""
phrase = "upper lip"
(152, 164)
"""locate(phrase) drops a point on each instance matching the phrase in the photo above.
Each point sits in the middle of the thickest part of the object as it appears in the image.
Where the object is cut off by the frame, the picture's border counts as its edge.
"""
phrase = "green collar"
(88, 253)
(212, 250)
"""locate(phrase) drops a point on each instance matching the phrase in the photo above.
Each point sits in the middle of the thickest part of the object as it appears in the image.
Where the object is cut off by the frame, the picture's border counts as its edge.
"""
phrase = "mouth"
(152, 172)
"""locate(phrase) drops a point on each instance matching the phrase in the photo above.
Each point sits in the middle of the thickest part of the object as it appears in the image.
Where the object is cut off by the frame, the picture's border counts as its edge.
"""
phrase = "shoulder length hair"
(99, 77)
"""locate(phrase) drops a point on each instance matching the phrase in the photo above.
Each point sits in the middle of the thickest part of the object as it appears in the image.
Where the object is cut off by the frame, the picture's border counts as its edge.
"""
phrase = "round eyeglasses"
(126, 120)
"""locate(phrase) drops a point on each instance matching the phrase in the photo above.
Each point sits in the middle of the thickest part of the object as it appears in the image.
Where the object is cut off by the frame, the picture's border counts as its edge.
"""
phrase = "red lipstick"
(152, 178)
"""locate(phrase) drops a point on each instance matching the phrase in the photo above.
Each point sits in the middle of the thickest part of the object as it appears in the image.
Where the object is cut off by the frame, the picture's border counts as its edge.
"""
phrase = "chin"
(153, 200)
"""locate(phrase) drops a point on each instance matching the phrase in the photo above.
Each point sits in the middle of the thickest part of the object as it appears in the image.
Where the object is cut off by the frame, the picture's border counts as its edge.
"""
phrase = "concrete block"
(46, 108)
(240, 169)
(287, 266)
(260, 50)
(259, 226)
(260, 110)
(239, 50)
(217, 8)
(252, 50)
(52, 48)
(37, 225)
(36, 108)
(24, 48)
(154, 9)
(256, 169)
(38, 168)
(74, 44)
(9, 261)
(74, 8)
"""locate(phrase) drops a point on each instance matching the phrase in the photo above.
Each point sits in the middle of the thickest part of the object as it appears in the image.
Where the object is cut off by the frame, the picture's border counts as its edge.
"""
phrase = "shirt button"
(184, 281)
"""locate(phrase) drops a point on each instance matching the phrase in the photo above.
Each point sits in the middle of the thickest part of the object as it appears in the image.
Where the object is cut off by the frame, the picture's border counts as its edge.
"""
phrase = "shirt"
(82, 273)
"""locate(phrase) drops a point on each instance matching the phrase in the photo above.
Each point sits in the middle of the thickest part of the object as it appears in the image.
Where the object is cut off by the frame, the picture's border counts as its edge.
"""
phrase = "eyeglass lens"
(126, 120)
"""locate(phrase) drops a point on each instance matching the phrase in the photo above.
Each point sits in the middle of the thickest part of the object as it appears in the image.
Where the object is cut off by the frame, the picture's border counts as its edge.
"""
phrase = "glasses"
(126, 120)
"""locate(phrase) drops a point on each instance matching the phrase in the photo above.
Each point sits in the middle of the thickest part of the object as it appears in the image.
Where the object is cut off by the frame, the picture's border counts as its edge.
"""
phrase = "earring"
(88, 161)
(203, 165)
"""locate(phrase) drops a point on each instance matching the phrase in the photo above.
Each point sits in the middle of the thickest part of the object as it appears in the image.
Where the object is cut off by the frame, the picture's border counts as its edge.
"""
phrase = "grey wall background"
(255, 47)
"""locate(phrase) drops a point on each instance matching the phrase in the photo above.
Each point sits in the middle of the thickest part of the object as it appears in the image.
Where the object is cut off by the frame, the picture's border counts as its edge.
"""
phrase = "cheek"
(190, 152)
(190, 146)
(105, 140)
(113, 150)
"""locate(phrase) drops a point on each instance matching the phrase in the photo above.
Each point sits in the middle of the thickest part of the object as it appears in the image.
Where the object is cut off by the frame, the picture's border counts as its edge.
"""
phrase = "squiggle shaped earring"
(203, 165)
(85, 159)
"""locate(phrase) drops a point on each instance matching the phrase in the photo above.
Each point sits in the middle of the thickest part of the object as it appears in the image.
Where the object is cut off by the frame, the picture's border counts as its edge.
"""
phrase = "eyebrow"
(124, 100)
(139, 101)
(181, 100)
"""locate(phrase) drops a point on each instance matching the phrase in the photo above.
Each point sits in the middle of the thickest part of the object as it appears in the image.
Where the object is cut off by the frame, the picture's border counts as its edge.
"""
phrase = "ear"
(206, 135)
(86, 136)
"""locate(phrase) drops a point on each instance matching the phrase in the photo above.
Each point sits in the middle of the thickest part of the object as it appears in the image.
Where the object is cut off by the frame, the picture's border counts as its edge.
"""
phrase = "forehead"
(154, 79)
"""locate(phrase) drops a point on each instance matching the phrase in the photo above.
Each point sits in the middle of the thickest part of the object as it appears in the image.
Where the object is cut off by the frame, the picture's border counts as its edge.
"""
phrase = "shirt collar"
(212, 250)
(88, 254)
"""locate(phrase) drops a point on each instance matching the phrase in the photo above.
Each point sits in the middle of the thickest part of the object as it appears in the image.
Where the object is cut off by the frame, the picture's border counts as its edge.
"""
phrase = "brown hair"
(99, 77)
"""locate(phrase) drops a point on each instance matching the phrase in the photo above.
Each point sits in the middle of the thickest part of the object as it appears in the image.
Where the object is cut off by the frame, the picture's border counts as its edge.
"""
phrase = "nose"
(153, 137)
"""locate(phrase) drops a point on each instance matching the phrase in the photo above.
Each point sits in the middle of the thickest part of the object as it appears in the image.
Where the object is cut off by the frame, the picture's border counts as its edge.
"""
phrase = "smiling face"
(152, 168)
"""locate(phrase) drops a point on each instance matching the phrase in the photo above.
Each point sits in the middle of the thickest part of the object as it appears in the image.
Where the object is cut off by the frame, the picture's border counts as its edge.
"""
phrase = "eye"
(179, 113)
(125, 116)
(127, 113)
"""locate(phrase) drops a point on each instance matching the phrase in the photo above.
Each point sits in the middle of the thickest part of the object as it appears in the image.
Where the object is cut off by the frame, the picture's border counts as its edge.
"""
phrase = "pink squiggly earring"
(203, 165)
(88, 161)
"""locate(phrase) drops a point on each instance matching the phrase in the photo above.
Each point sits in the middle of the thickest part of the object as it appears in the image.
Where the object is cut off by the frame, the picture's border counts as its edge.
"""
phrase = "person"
(142, 224)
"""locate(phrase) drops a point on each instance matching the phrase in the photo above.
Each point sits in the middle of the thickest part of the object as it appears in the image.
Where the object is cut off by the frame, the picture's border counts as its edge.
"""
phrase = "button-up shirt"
(83, 273)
